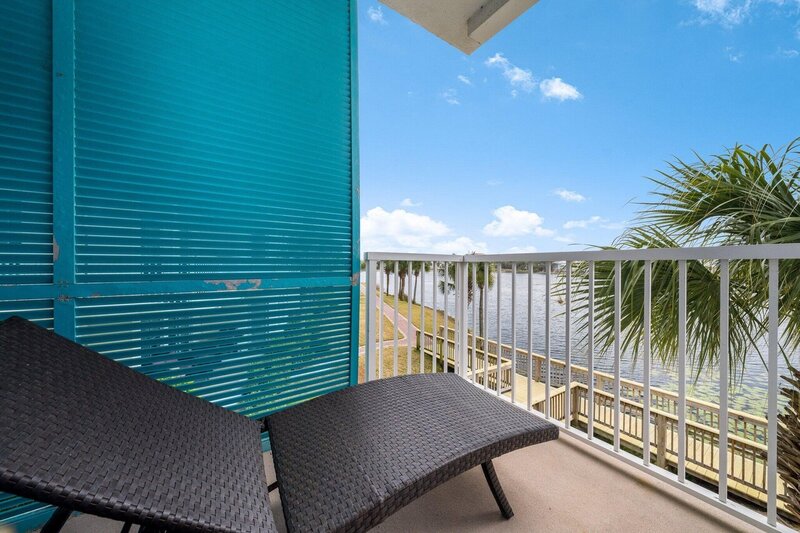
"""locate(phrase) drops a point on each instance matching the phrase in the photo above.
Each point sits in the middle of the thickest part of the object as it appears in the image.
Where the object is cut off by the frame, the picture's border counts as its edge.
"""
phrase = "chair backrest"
(86, 433)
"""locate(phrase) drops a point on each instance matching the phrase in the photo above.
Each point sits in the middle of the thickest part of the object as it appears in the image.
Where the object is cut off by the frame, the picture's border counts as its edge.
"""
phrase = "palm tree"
(402, 274)
(388, 269)
(789, 451)
(416, 268)
(744, 196)
(448, 282)
(484, 279)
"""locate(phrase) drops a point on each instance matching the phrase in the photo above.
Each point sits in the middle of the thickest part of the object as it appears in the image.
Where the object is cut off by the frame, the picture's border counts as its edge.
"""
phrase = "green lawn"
(416, 311)
(362, 332)
(402, 363)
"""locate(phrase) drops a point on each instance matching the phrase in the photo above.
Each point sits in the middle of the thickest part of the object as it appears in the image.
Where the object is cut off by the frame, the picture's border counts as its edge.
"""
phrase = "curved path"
(402, 325)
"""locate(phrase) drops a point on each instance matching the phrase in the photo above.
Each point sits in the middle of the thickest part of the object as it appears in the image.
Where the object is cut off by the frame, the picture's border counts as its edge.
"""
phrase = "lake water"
(748, 394)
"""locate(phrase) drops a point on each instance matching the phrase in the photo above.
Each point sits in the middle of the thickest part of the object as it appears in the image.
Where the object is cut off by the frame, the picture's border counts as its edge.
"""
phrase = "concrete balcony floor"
(563, 485)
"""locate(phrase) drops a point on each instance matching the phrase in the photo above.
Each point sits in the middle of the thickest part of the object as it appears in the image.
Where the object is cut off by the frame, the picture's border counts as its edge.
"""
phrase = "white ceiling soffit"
(466, 24)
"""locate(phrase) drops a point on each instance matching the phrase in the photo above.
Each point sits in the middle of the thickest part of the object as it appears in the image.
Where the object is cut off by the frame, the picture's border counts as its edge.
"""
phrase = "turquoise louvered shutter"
(26, 185)
(191, 166)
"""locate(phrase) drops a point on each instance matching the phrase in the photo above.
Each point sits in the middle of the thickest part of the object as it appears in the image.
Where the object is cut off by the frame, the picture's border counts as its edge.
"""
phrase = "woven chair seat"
(349, 459)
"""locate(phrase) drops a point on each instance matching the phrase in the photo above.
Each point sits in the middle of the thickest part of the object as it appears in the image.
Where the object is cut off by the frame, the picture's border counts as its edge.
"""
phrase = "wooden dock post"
(661, 440)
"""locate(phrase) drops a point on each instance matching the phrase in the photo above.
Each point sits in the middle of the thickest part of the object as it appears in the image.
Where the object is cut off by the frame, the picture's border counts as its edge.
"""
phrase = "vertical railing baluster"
(590, 356)
(485, 326)
(369, 323)
(513, 332)
(617, 354)
(547, 288)
(530, 337)
(724, 367)
(446, 325)
(396, 287)
(409, 329)
(457, 319)
(772, 400)
(423, 264)
(498, 374)
(381, 268)
(458, 324)
(435, 317)
(474, 361)
(463, 333)
(568, 346)
(682, 371)
(648, 272)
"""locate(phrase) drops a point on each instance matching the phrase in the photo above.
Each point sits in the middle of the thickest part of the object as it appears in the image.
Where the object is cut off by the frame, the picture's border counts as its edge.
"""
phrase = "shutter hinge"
(354, 279)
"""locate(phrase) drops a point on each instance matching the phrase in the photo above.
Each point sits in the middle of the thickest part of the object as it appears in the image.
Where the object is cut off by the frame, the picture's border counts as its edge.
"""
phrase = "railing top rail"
(404, 256)
(753, 251)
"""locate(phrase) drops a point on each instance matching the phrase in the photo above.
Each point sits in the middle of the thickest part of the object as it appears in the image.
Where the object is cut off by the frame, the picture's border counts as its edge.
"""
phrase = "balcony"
(641, 430)
(558, 486)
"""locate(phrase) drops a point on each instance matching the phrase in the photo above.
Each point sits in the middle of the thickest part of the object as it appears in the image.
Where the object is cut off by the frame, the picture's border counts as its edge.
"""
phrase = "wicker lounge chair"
(87, 434)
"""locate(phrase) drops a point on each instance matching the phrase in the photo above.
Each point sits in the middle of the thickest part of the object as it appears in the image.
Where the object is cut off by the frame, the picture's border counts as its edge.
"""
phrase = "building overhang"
(465, 24)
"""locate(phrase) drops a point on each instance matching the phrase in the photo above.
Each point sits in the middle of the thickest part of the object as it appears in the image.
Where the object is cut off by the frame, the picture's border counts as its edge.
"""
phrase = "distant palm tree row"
(446, 280)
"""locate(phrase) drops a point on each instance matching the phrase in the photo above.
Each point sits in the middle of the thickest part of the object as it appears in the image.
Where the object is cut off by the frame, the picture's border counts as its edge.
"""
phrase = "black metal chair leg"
(56, 520)
(126, 528)
(497, 490)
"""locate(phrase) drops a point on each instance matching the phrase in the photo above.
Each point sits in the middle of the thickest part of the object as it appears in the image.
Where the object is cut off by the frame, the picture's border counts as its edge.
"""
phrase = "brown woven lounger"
(87, 434)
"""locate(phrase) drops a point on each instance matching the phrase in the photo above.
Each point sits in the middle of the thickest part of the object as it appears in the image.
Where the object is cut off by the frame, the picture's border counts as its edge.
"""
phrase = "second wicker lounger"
(349, 459)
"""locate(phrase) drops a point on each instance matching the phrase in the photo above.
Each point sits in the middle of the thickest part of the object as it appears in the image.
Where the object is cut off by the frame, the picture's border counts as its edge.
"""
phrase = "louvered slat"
(234, 348)
(26, 187)
(261, 115)
(205, 146)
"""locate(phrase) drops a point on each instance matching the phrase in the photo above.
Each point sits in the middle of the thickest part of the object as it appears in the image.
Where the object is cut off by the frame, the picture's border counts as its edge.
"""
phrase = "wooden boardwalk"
(747, 472)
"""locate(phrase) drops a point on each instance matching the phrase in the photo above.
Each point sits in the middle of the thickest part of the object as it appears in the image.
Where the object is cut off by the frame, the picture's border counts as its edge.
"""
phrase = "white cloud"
(730, 13)
(521, 250)
(569, 196)
(519, 78)
(595, 220)
(451, 97)
(734, 56)
(375, 14)
(558, 89)
(512, 222)
(401, 231)
(727, 13)
(789, 53)
(566, 239)
(408, 202)
(494, 182)
(465, 80)
(582, 224)
(459, 246)
(522, 79)
(614, 225)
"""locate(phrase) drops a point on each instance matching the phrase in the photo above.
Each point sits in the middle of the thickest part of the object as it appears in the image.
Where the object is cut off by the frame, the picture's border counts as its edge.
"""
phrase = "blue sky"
(543, 138)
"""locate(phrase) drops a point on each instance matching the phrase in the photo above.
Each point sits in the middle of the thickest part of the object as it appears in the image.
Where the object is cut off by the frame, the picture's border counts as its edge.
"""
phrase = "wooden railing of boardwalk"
(747, 434)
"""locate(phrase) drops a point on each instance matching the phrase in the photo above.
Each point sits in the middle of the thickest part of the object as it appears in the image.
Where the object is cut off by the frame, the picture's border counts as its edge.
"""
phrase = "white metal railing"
(451, 344)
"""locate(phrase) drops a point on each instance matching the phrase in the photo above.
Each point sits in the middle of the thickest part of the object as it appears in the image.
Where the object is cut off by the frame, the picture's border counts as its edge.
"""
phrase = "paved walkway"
(402, 325)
